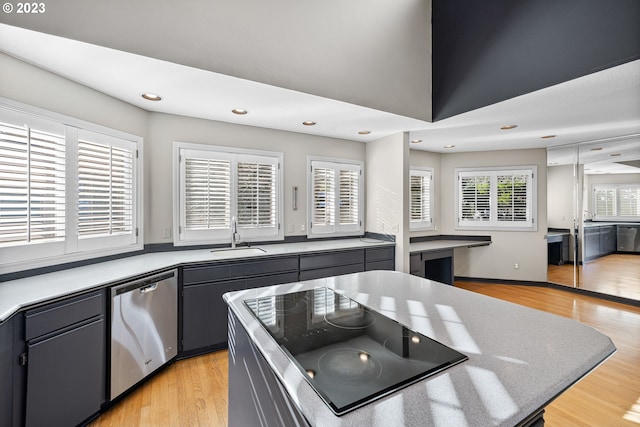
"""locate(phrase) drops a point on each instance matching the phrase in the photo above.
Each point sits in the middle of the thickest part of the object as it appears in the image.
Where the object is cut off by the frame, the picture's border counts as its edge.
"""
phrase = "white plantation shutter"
(513, 197)
(605, 201)
(421, 198)
(616, 202)
(629, 202)
(475, 197)
(324, 188)
(105, 189)
(348, 196)
(257, 196)
(67, 192)
(217, 185)
(498, 198)
(205, 197)
(335, 198)
(208, 194)
(32, 184)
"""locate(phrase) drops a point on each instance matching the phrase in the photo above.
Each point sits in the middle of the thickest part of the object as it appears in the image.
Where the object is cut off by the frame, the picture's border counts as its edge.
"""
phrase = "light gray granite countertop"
(519, 358)
(21, 293)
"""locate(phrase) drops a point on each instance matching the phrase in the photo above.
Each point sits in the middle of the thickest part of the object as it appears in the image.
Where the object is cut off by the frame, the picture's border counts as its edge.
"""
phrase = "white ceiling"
(597, 107)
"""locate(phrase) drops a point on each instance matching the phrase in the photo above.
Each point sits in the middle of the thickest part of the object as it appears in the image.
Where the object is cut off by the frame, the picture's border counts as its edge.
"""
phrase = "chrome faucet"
(234, 232)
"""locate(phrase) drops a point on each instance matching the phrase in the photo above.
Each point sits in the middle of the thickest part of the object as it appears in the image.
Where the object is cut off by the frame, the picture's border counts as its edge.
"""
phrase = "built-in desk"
(558, 246)
(433, 259)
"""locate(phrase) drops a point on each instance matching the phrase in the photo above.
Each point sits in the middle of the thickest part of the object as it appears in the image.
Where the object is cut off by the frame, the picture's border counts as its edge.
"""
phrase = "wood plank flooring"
(615, 274)
(193, 392)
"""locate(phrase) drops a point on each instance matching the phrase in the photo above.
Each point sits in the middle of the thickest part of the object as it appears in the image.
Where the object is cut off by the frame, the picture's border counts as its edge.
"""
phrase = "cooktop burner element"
(349, 353)
(349, 365)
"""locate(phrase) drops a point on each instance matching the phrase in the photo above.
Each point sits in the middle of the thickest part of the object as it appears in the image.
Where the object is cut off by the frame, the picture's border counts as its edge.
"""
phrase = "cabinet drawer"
(332, 259)
(380, 254)
(231, 270)
(387, 264)
(331, 271)
(41, 321)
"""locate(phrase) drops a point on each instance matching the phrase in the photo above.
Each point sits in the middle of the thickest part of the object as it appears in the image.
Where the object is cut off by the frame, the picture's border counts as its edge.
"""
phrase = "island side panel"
(256, 397)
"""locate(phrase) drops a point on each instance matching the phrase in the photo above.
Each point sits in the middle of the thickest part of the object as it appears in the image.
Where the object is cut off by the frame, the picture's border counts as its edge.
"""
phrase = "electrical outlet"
(290, 228)
(302, 229)
(516, 266)
(166, 232)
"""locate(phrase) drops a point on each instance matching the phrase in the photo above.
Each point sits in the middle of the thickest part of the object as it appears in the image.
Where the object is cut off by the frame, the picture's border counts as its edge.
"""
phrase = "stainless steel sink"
(238, 251)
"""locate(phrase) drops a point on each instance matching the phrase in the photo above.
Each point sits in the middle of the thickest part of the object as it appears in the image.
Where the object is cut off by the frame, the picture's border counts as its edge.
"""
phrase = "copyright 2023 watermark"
(24, 8)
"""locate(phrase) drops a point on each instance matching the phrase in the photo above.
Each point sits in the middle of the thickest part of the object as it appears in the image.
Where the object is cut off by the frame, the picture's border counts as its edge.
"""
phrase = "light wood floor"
(615, 274)
(193, 392)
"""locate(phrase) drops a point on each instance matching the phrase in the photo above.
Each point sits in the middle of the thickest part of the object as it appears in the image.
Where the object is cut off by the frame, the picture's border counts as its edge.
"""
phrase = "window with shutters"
(421, 198)
(66, 192)
(616, 202)
(216, 186)
(335, 198)
(500, 198)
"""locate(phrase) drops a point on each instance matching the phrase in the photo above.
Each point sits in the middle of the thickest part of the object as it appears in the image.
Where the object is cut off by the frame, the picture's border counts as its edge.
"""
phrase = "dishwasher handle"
(148, 284)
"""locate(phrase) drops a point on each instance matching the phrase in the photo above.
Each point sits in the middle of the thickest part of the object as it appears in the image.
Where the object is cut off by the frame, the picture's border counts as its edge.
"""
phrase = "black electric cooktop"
(349, 353)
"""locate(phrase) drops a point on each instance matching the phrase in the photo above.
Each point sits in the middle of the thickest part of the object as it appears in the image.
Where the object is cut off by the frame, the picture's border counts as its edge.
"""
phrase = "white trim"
(182, 238)
(492, 223)
(336, 230)
(42, 255)
(423, 225)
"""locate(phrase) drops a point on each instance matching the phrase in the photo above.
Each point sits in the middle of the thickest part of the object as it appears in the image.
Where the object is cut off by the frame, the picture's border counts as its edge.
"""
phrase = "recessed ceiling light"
(364, 132)
(308, 123)
(507, 127)
(596, 149)
(615, 155)
(239, 111)
(449, 146)
(151, 96)
(548, 136)
(415, 141)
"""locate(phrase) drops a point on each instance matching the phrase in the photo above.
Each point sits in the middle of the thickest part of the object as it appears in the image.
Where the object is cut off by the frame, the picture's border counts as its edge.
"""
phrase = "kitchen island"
(519, 359)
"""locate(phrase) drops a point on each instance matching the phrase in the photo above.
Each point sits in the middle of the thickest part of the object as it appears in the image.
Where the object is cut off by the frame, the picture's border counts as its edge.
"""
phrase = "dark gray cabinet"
(380, 258)
(204, 313)
(434, 265)
(12, 374)
(256, 396)
(65, 361)
(599, 241)
(607, 240)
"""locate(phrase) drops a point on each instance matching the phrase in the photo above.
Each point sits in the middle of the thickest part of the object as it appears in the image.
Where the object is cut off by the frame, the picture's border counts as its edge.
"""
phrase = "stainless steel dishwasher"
(144, 328)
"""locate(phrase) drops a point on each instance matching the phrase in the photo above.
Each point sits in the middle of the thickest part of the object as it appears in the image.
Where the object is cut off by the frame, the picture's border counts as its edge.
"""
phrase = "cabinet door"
(204, 314)
(592, 242)
(65, 376)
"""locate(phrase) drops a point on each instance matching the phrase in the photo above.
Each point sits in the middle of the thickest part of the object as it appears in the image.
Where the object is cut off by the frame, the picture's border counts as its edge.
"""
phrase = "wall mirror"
(593, 212)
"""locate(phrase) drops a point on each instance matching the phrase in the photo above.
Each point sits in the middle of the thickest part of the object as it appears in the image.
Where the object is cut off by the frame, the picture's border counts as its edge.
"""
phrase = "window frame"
(336, 229)
(72, 248)
(423, 224)
(185, 237)
(493, 223)
(617, 206)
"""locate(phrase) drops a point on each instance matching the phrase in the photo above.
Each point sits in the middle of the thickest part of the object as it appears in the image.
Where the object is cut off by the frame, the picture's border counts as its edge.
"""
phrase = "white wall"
(166, 128)
(34, 86)
(527, 249)
(427, 159)
(31, 85)
(561, 202)
(387, 190)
